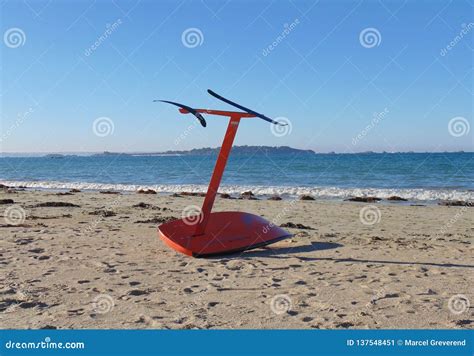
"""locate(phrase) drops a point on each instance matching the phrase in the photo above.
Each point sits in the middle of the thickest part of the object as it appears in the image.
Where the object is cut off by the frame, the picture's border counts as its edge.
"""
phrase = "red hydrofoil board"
(205, 233)
(226, 232)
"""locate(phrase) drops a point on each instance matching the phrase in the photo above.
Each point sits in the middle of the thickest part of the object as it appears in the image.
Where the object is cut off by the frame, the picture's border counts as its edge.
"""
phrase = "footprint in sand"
(42, 258)
(6, 303)
(24, 241)
(76, 312)
(300, 283)
(47, 326)
(138, 292)
(233, 265)
(463, 322)
(49, 272)
(28, 305)
(344, 325)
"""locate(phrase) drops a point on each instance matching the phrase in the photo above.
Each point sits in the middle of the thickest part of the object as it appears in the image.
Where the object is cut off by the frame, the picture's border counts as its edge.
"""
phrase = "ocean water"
(415, 176)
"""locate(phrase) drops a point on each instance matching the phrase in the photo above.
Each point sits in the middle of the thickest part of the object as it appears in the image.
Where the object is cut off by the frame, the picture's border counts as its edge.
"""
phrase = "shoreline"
(415, 196)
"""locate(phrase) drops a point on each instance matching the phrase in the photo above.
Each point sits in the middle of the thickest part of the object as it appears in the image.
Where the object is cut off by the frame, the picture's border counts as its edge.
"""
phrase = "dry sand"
(65, 268)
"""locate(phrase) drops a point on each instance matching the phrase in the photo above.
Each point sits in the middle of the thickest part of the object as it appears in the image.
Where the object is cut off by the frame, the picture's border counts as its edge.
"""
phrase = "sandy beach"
(100, 264)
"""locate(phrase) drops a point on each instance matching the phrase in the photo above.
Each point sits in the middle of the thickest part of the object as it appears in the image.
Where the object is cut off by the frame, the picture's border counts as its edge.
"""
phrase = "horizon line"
(213, 148)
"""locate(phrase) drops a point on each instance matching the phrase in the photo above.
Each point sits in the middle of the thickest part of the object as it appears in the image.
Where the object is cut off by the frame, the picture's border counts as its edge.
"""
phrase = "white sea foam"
(285, 192)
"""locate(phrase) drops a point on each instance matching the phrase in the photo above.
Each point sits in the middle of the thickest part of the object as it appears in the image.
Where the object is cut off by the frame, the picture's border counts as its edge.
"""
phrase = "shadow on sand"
(275, 252)
(286, 252)
(270, 251)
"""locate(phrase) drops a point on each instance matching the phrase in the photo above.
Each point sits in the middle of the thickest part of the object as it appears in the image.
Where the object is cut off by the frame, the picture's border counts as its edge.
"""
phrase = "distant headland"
(205, 151)
(236, 150)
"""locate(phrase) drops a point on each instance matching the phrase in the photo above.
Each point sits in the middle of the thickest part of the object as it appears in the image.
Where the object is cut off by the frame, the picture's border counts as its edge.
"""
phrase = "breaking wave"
(283, 191)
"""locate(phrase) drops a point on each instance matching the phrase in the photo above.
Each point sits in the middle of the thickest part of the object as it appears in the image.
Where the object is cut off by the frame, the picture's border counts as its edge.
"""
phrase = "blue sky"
(322, 77)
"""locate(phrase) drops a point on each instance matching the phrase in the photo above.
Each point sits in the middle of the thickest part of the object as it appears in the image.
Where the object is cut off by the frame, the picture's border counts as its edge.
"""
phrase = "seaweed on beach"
(192, 194)
(156, 220)
(103, 212)
(456, 203)
(296, 226)
(55, 204)
(396, 198)
(364, 199)
(143, 205)
(248, 196)
(34, 217)
(146, 191)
